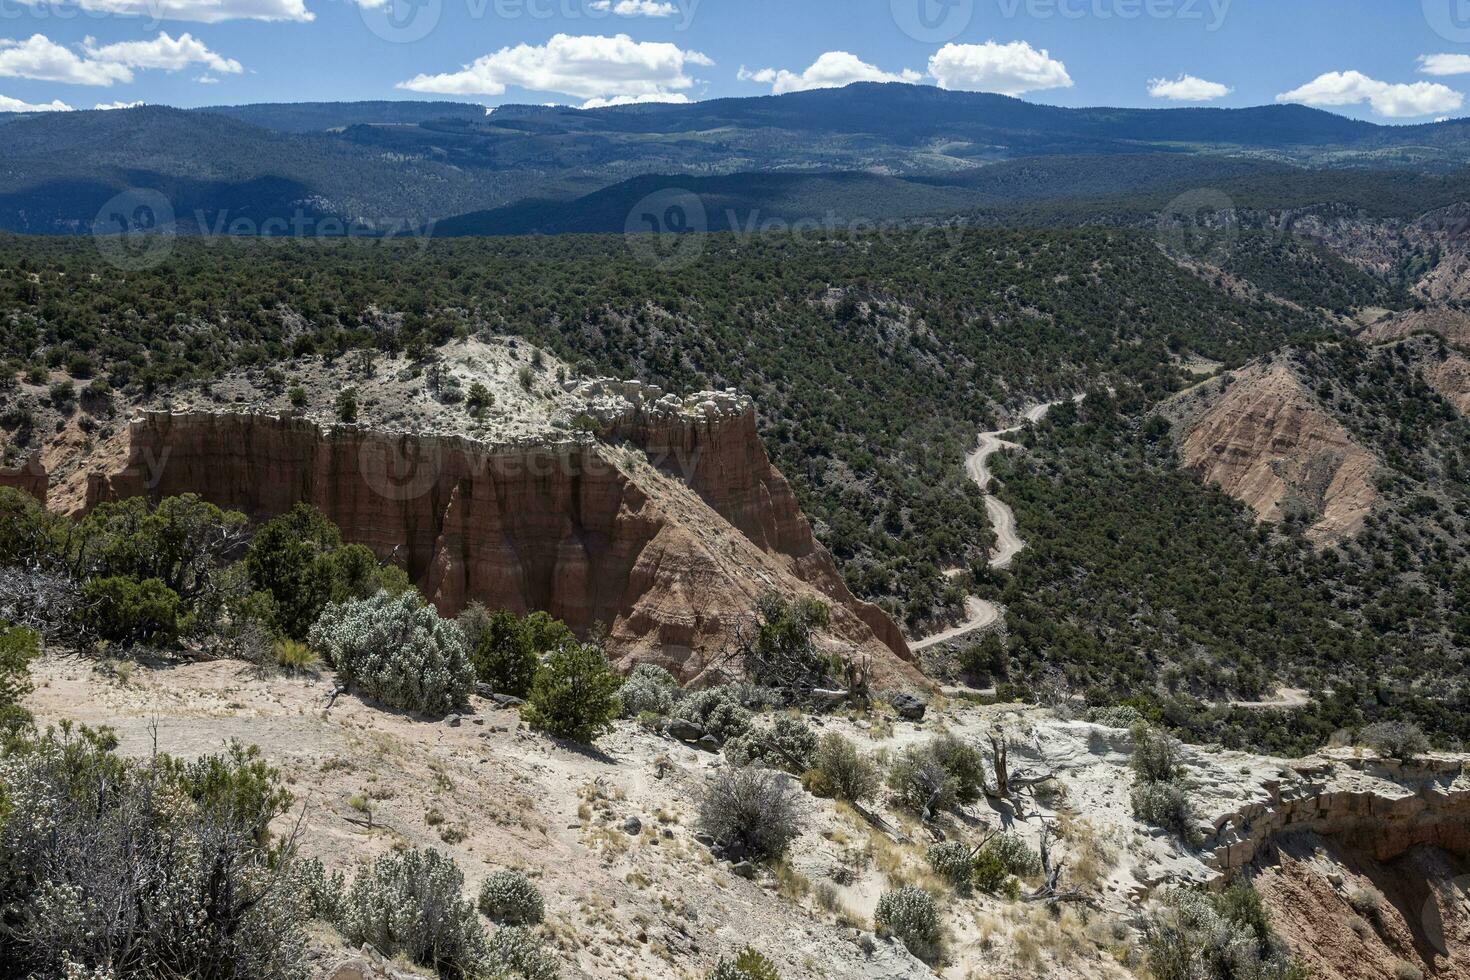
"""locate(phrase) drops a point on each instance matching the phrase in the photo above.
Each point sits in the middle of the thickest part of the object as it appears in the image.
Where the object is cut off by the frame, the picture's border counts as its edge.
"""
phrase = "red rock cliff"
(30, 477)
(666, 529)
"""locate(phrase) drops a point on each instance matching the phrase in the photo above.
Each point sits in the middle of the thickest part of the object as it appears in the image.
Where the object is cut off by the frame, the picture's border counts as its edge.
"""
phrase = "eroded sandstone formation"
(1267, 442)
(1361, 862)
(29, 477)
(664, 526)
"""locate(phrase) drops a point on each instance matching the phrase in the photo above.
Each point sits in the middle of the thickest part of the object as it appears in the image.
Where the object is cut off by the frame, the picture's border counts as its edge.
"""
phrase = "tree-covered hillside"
(874, 359)
(1142, 584)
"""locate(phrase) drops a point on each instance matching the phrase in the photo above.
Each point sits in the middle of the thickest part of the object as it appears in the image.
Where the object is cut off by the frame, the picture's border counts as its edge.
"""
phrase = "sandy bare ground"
(981, 613)
(493, 795)
(651, 902)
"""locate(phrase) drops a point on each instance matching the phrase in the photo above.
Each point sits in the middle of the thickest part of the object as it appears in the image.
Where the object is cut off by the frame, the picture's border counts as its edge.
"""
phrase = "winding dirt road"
(980, 612)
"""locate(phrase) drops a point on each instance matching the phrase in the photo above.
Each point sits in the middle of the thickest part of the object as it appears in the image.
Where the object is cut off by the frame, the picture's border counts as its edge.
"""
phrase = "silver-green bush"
(411, 904)
(951, 861)
(397, 650)
(1163, 805)
(509, 898)
(516, 953)
(649, 688)
(789, 743)
(717, 711)
(910, 915)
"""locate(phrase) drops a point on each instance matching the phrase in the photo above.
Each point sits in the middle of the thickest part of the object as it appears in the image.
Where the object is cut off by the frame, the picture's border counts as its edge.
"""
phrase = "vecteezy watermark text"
(138, 228)
(1211, 13)
(671, 228)
(406, 21)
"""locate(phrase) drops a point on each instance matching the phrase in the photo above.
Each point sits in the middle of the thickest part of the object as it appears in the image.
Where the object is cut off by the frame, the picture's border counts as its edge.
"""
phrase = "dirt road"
(979, 612)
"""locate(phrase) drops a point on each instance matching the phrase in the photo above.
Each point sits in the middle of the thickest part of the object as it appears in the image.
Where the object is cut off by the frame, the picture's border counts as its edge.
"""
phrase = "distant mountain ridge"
(877, 151)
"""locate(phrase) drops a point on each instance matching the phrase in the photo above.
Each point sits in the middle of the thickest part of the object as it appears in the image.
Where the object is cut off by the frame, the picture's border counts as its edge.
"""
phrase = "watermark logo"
(1458, 892)
(1200, 226)
(402, 21)
(135, 230)
(399, 469)
(667, 229)
(932, 21)
(1211, 13)
(1450, 19)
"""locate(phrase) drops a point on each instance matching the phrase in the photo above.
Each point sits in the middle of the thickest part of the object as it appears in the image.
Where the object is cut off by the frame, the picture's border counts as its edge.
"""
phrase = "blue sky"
(1384, 60)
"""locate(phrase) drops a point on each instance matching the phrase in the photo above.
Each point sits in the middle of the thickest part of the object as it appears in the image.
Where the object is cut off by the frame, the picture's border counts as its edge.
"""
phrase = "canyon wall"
(665, 527)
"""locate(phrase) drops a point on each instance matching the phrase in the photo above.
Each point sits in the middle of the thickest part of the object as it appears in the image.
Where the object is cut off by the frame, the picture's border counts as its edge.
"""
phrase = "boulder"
(684, 730)
(909, 707)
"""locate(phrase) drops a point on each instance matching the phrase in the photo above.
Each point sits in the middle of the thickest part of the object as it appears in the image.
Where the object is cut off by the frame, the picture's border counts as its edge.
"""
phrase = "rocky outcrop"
(1360, 861)
(1266, 441)
(664, 527)
(1451, 378)
(1383, 806)
(29, 477)
(1451, 324)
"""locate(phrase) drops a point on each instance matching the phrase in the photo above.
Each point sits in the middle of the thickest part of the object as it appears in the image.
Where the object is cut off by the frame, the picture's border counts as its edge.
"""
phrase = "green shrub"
(145, 868)
(346, 406)
(397, 650)
(909, 914)
(575, 694)
(1155, 754)
(1014, 855)
(410, 904)
(300, 561)
(183, 541)
(717, 711)
(295, 657)
(509, 898)
(779, 652)
(1395, 739)
(748, 964)
(18, 647)
(990, 873)
(920, 782)
(649, 688)
(965, 764)
(29, 534)
(508, 648)
(124, 610)
(848, 773)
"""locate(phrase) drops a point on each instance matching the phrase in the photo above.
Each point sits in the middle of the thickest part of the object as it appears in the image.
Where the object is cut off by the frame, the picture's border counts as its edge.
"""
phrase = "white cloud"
(8, 104)
(636, 8)
(1008, 69)
(1187, 88)
(1339, 88)
(163, 53)
(594, 68)
(203, 11)
(832, 70)
(1444, 64)
(109, 106)
(40, 58)
(678, 97)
